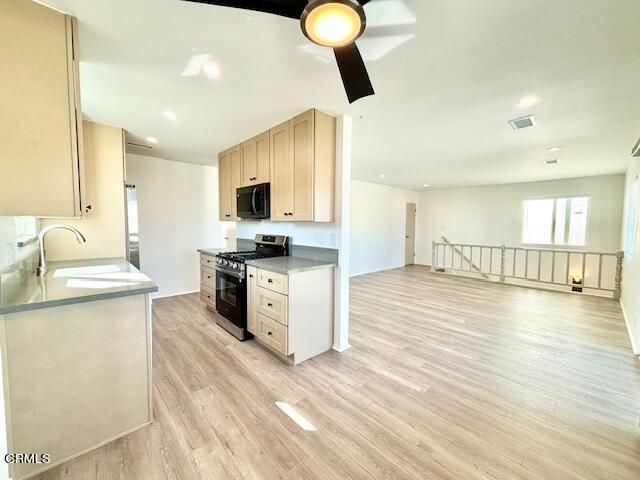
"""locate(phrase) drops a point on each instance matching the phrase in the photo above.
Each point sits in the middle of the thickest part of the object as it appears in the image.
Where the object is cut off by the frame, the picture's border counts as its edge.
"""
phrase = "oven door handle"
(231, 273)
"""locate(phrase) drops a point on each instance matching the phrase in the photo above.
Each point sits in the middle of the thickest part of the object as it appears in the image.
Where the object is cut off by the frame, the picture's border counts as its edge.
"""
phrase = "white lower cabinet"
(292, 314)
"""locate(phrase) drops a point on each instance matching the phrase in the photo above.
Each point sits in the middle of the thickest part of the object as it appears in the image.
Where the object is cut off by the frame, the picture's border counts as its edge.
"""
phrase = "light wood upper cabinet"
(303, 179)
(280, 172)
(254, 160)
(224, 186)
(234, 166)
(228, 181)
(297, 158)
(41, 159)
(301, 169)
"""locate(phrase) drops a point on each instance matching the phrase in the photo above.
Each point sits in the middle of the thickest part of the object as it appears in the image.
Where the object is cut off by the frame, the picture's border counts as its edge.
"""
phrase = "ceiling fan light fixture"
(333, 23)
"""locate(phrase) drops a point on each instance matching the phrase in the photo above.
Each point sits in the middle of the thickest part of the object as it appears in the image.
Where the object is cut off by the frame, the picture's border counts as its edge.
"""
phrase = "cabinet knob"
(251, 275)
(269, 280)
(269, 333)
(270, 305)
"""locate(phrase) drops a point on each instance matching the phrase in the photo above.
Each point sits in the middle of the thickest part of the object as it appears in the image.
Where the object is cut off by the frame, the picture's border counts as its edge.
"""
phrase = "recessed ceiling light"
(553, 161)
(382, 175)
(169, 115)
(426, 185)
(527, 101)
(153, 140)
(212, 70)
(554, 149)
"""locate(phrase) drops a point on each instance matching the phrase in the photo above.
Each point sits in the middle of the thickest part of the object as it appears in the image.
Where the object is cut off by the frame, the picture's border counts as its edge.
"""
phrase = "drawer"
(275, 282)
(208, 296)
(208, 277)
(272, 333)
(207, 261)
(271, 304)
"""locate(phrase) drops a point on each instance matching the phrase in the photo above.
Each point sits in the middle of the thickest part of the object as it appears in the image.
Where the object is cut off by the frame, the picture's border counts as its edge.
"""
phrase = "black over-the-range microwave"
(254, 202)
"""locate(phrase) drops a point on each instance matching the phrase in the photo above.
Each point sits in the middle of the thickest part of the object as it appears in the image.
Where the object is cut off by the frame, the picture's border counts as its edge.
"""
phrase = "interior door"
(410, 235)
(281, 179)
(234, 167)
(224, 187)
(302, 157)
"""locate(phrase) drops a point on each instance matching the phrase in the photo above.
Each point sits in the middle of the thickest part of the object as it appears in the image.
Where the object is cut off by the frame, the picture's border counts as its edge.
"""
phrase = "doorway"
(410, 235)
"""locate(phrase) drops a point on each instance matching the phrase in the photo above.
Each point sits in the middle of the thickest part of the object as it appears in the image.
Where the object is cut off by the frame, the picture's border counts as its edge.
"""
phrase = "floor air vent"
(522, 122)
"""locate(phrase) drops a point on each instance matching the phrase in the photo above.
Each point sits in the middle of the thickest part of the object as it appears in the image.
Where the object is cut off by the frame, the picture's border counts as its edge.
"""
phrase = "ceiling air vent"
(553, 161)
(635, 152)
(522, 122)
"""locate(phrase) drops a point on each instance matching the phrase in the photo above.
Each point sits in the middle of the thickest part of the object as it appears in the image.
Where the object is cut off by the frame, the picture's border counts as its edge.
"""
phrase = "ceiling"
(447, 74)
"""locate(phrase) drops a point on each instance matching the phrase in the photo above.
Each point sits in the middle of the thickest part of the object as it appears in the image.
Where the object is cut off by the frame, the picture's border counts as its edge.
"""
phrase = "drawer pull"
(208, 276)
(270, 305)
(251, 275)
(269, 333)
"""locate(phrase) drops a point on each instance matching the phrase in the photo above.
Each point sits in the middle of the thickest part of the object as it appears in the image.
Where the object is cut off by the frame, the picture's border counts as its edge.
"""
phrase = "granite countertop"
(77, 281)
(287, 265)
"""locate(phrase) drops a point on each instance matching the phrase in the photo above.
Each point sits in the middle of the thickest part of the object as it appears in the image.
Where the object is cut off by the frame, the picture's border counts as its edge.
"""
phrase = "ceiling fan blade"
(284, 8)
(363, 2)
(353, 72)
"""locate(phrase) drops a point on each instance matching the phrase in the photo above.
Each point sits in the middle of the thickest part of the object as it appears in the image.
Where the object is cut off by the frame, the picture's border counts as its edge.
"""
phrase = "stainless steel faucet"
(42, 269)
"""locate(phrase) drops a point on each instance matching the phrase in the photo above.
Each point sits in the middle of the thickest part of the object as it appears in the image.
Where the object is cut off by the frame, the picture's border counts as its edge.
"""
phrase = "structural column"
(343, 230)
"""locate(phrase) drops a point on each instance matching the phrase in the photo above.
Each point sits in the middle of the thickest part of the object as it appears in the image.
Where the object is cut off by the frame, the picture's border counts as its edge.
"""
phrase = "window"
(632, 217)
(556, 221)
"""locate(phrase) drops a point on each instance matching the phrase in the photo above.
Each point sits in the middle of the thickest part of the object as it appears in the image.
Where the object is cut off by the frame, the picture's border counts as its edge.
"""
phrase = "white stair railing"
(577, 270)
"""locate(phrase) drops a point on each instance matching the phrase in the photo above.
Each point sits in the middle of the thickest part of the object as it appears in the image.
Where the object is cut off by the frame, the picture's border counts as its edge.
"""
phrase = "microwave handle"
(253, 200)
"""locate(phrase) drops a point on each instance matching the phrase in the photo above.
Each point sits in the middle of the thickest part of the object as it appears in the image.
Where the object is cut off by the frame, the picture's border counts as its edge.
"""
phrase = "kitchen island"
(76, 359)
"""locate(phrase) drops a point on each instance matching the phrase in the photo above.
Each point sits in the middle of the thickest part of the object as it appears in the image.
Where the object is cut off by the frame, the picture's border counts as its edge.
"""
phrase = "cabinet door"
(234, 165)
(248, 163)
(302, 160)
(224, 187)
(281, 184)
(252, 274)
(262, 158)
(41, 162)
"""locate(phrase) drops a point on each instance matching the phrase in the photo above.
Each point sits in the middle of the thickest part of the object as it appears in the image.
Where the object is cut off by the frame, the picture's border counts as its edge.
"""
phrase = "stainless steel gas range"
(231, 285)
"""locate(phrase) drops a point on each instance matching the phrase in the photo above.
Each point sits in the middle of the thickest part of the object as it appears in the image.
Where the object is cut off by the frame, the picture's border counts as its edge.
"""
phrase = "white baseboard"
(384, 269)
(341, 348)
(634, 346)
(174, 294)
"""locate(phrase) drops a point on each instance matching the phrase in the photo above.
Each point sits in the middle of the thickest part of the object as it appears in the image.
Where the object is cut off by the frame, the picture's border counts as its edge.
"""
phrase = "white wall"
(630, 300)
(301, 233)
(492, 215)
(378, 226)
(178, 213)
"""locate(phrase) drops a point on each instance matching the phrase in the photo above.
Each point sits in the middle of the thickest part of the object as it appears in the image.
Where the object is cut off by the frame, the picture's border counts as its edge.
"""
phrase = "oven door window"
(228, 290)
(231, 298)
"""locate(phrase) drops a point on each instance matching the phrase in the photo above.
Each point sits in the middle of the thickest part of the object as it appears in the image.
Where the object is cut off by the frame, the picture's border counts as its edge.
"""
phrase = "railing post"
(433, 256)
(503, 261)
(618, 281)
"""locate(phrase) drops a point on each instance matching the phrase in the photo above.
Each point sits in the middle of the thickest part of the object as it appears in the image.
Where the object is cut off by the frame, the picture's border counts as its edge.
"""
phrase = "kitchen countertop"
(287, 265)
(78, 281)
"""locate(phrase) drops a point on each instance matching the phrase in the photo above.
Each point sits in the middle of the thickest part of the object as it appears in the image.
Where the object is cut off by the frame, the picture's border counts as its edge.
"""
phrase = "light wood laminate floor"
(447, 378)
